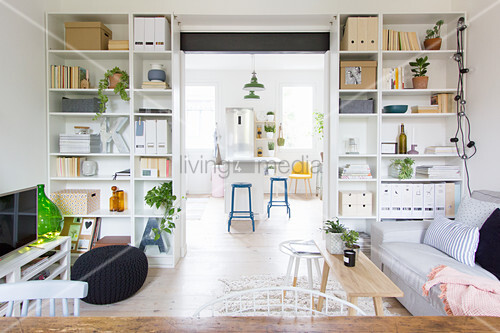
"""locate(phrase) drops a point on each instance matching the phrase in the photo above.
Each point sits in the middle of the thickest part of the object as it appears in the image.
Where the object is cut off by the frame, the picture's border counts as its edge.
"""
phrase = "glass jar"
(259, 152)
(114, 200)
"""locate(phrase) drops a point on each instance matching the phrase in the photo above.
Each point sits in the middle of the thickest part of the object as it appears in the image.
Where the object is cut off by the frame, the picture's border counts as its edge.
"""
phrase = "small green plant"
(162, 197)
(270, 113)
(119, 89)
(405, 167)
(318, 126)
(270, 128)
(333, 226)
(270, 145)
(420, 66)
(436, 31)
(271, 167)
(350, 237)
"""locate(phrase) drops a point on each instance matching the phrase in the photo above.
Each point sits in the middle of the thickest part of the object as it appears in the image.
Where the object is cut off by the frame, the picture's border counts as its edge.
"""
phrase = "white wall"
(22, 66)
(230, 92)
(483, 85)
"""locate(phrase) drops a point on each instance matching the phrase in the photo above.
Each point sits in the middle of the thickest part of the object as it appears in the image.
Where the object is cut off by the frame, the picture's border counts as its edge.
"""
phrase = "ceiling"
(201, 61)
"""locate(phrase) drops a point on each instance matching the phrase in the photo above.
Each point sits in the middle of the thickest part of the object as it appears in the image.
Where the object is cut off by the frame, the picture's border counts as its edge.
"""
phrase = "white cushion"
(475, 212)
(453, 238)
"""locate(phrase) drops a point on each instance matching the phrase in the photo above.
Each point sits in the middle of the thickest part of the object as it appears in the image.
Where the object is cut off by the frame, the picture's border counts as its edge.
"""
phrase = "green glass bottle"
(50, 220)
(402, 149)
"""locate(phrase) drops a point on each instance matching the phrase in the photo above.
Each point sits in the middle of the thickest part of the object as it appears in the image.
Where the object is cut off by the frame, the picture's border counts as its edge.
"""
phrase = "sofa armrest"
(403, 231)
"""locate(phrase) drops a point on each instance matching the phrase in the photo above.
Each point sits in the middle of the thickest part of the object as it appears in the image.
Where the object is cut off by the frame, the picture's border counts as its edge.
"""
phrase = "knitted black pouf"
(113, 273)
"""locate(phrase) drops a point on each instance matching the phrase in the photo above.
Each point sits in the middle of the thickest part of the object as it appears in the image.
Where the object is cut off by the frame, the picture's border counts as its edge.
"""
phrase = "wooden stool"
(294, 256)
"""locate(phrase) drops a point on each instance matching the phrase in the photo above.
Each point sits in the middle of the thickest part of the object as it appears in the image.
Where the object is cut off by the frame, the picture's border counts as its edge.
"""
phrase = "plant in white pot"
(350, 237)
(270, 147)
(334, 231)
(270, 116)
(270, 170)
(162, 197)
(270, 130)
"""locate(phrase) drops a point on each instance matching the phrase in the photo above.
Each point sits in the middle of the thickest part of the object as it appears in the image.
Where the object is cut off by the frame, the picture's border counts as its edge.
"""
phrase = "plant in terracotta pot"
(419, 69)
(334, 230)
(115, 79)
(350, 237)
(433, 38)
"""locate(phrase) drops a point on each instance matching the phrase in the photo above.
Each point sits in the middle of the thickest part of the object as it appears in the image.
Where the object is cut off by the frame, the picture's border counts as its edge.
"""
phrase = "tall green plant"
(119, 89)
(162, 197)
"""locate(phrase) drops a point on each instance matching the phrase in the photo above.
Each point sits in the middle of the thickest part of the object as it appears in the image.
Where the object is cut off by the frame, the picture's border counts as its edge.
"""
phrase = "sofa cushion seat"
(414, 261)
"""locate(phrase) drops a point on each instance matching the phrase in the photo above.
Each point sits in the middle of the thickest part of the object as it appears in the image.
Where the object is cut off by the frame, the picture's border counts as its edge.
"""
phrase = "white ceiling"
(201, 61)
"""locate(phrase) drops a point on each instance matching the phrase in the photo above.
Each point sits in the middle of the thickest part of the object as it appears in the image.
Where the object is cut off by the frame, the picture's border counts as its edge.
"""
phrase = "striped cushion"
(453, 238)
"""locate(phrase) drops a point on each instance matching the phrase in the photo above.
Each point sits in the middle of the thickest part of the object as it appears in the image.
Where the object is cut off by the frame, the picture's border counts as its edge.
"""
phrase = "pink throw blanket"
(463, 294)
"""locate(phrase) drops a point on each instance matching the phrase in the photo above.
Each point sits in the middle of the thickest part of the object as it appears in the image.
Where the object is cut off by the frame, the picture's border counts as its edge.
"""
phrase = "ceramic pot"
(334, 243)
(270, 172)
(420, 82)
(156, 73)
(114, 79)
(433, 43)
(271, 153)
(270, 117)
(269, 135)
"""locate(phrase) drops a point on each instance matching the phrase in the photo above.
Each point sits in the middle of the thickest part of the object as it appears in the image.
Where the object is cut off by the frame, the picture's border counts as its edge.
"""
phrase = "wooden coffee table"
(362, 280)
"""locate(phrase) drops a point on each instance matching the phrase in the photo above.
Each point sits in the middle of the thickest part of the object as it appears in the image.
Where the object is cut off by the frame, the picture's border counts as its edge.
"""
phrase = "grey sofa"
(397, 249)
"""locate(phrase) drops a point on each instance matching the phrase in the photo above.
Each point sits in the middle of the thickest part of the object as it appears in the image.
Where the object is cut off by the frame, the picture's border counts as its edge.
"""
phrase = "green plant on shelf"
(434, 32)
(333, 226)
(120, 88)
(270, 128)
(270, 145)
(270, 113)
(405, 167)
(162, 197)
(419, 66)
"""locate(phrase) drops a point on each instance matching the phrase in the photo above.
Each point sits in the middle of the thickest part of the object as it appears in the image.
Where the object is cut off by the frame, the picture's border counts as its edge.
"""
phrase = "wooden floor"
(213, 253)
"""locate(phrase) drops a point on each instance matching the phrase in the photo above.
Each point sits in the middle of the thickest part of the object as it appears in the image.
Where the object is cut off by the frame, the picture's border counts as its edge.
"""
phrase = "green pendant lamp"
(254, 85)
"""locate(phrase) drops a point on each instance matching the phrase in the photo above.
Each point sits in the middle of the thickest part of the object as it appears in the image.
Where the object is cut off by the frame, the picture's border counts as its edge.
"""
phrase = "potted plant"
(270, 147)
(270, 129)
(318, 126)
(402, 169)
(115, 79)
(419, 70)
(350, 237)
(270, 116)
(433, 38)
(270, 170)
(162, 197)
(334, 230)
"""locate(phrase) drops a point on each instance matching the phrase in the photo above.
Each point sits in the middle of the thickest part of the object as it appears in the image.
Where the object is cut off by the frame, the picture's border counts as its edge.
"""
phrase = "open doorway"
(294, 92)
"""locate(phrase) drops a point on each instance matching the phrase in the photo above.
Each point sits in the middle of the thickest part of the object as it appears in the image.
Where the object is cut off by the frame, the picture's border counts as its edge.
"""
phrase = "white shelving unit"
(372, 129)
(132, 221)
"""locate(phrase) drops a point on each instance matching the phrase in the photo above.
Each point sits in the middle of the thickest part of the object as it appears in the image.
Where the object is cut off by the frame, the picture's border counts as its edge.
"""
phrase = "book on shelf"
(438, 171)
(355, 171)
(395, 78)
(33, 265)
(444, 102)
(304, 247)
(69, 166)
(393, 40)
(440, 150)
(80, 143)
(67, 77)
(425, 109)
(124, 174)
(154, 85)
(160, 164)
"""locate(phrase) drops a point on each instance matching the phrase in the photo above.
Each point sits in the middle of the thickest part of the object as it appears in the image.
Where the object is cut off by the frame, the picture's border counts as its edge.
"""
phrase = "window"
(297, 105)
(200, 116)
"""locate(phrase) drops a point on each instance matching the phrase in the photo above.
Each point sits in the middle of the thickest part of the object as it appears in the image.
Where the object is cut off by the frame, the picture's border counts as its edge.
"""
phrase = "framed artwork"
(82, 232)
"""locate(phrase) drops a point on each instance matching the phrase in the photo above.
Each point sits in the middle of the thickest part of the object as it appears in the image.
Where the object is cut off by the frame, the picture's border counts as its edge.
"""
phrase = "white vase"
(271, 153)
(269, 135)
(271, 172)
(270, 117)
(334, 243)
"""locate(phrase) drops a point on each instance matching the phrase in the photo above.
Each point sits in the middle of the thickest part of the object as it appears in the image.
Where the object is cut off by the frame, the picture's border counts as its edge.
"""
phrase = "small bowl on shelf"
(395, 108)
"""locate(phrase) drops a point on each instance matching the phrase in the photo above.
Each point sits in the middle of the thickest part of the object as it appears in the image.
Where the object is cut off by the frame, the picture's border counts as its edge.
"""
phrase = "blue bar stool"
(282, 203)
(248, 214)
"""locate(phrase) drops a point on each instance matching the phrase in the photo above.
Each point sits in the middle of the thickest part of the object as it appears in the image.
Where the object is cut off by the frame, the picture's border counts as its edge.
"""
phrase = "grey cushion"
(474, 212)
(489, 196)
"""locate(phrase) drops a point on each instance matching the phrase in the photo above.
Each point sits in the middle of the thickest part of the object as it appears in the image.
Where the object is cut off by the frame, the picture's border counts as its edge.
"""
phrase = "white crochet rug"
(262, 281)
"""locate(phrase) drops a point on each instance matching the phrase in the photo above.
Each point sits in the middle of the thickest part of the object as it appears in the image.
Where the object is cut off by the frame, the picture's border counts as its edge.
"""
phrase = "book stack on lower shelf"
(438, 171)
(355, 171)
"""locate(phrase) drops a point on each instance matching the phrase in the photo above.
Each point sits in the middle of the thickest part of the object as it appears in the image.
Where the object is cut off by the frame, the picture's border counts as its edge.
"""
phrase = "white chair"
(272, 301)
(287, 249)
(39, 290)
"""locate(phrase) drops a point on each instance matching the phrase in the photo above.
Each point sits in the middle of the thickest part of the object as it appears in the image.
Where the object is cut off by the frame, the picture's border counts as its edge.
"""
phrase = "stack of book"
(365, 243)
(394, 78)
(304, 247)
(124, 174)
(400, 41)
(440, 150)
(439, 171)
(161, 165)
(154, 85)
(80, 143)
(355, 171)
(65, 77)
(444, 102)
(425, 109)
(69, 166)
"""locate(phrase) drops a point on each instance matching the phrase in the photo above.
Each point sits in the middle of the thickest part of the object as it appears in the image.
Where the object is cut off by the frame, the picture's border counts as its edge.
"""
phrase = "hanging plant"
(119, 88)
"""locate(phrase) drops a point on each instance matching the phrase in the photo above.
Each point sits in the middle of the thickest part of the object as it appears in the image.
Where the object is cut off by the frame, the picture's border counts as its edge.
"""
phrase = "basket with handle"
(281, 139)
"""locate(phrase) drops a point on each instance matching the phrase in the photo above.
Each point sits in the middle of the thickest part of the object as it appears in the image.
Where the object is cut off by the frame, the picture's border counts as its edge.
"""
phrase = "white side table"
(294, 256)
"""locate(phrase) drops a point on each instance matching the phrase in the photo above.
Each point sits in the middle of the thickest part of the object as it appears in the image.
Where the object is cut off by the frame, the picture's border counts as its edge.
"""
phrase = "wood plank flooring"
(213, 253)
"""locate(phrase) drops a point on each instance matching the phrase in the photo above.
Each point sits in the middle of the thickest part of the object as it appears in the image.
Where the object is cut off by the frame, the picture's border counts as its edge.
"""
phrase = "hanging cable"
(466, 148)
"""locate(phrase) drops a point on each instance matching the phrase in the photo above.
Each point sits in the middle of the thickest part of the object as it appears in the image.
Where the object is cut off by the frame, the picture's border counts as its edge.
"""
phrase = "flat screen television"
(18, 219)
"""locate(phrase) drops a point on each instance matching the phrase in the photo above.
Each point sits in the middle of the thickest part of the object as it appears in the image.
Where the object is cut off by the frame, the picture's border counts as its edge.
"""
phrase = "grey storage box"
(80, 104)
(356, 106)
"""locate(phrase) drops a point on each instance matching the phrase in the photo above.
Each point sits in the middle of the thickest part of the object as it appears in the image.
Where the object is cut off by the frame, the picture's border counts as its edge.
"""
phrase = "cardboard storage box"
(356, 106)
(118, 45)
(80, 104)
(87, 36)
(358, 75)
(78, 201)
